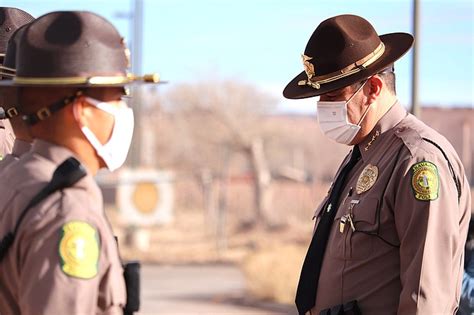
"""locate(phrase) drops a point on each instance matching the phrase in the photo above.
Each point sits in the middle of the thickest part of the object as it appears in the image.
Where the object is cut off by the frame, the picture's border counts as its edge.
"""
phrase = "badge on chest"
(367, 178)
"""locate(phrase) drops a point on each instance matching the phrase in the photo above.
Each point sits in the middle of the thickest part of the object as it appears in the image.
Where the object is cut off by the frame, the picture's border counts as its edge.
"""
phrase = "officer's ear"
(82, 111)
(375, 84)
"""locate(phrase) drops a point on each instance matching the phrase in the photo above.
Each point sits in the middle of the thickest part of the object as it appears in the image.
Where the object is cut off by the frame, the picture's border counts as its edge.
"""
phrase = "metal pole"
(137, 36)
(137, 40)
(415, 106)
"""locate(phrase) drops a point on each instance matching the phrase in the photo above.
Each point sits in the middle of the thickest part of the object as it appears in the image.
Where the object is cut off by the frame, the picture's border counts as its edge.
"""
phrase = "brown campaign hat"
(74, 49)
(10, 20)
(343, 50)
(8, 70)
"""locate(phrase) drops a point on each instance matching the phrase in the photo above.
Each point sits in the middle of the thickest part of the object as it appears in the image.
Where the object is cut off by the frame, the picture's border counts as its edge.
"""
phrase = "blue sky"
(260, 41)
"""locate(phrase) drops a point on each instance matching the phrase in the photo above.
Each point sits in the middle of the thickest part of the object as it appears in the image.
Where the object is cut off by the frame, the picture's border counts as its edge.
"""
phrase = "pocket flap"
(366, 210)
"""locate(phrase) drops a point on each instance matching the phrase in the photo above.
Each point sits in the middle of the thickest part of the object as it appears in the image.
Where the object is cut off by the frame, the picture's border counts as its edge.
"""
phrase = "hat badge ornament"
(309, 70)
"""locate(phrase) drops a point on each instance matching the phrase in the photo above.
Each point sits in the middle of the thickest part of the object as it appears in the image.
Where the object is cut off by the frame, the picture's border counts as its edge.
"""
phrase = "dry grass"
(272, 274)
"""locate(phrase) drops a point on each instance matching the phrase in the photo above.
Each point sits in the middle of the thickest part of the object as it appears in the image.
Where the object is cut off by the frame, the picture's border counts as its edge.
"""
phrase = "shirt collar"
(58, 154)
(53, 152)
(20, 147)
(389, 120)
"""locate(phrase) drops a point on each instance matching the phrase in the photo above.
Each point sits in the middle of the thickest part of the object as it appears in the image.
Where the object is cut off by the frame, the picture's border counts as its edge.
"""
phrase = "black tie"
(308, 284)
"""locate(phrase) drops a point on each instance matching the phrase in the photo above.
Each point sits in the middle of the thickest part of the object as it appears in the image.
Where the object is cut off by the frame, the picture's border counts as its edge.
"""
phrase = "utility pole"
(415, 106)
(136, 56)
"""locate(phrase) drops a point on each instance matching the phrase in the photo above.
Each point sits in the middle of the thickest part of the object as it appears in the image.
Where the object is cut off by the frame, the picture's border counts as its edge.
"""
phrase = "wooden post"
(262, 181)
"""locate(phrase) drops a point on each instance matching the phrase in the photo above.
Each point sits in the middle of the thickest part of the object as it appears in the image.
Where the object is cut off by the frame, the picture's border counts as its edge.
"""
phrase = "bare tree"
(209, 123)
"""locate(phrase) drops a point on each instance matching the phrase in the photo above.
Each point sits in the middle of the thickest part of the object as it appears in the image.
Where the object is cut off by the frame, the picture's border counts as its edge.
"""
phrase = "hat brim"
(396, 45)
(94, 81)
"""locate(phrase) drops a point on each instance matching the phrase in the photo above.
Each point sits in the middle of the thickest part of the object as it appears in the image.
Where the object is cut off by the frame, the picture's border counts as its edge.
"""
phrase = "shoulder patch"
(79, 250)
(425, 181)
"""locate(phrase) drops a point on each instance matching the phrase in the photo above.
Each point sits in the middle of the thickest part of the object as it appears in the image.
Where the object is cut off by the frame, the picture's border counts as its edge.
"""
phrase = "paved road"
(199, 290)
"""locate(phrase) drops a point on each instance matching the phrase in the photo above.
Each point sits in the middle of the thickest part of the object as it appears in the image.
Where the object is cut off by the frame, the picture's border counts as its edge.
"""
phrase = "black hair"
(389, 79)
(388, 76)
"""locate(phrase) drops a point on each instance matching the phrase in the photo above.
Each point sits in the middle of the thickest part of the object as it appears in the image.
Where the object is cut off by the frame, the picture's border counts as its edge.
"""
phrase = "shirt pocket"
(337, 247)
(361, 241)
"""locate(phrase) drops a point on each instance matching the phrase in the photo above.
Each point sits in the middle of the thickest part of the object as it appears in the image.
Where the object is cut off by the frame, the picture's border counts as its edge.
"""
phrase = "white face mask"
(115, 150)
(334, 122)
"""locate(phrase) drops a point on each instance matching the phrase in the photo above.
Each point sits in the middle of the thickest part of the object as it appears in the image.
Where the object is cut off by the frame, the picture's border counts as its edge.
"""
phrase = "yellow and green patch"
(425, 181)
(79, 250)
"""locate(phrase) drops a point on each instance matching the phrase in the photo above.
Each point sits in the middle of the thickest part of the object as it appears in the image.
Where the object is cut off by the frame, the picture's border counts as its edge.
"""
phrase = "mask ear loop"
(368, 107)
(358, 90)
(85, 130)
(364, 114)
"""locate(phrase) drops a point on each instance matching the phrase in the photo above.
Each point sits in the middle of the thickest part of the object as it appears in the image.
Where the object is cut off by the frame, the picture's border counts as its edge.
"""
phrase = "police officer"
(8, 99)
(390, 235)
(64, 259)
(10, 20)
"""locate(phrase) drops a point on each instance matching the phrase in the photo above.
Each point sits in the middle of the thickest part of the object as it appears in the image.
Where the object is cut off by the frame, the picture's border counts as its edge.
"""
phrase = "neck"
(22, 135)
(81, 149)
(20, 129)
(386, 102)
(61, 129)
(86, 154)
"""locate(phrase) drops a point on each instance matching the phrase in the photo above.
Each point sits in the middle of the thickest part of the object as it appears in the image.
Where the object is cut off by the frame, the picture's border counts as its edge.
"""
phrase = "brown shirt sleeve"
(52, 244)
(430, 225)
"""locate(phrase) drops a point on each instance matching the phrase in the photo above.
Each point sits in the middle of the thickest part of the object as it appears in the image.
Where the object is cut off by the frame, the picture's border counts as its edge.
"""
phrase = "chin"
(356, 141)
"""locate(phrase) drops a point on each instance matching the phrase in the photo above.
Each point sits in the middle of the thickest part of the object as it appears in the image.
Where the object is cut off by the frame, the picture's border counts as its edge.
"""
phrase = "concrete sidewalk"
(206, 289)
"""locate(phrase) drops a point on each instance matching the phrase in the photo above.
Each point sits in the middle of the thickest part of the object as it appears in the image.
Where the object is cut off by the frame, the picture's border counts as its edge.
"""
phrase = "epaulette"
(410, 138)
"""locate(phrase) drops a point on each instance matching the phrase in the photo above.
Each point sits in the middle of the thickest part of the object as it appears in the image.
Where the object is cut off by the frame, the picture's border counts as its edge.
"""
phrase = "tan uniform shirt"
(64, 259)
(406, 253)
(20, 147)
(6, 138)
